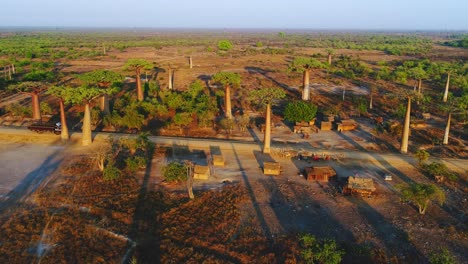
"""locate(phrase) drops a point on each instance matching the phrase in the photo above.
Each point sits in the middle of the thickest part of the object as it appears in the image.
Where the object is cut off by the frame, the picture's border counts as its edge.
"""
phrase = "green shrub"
(300, 111)
(439, 169)
(45, 108)
(18, 110)
(111, 172)
(174, 172)
(224, 45)
(321, 252)
(443, 256)
(135, 163)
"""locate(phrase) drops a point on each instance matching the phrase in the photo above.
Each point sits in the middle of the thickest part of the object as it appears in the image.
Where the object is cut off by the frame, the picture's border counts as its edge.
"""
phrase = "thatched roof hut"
(319, 173)
(363, 186)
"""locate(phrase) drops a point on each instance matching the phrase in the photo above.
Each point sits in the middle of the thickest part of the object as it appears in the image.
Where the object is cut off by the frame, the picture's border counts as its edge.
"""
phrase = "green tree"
(300, 111)
(281, 34)
(137, 65)
(453, 105)
(84, 95)
(224, 45)
(182, 120)
(45, 108)
(422, 194)
(103, 79)
(32, 89)
(227, 80)
(305, 65)
(326, 252)
(330, 53)
(266, 97)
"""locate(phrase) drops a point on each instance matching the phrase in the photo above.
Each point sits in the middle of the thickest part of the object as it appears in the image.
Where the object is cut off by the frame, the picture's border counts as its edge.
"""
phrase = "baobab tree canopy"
(134, 64)
(82, 94)
(227, 78)
(28, 87)
(266, 96)
(301, 64)
(102, 78)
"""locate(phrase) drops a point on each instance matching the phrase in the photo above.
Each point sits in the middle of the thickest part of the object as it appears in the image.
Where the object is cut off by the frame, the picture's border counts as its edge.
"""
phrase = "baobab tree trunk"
(104, 103)
(406, 127)
(305, 82)
(419, 86)
(13, 66)
(170, 80)
(370, 102)
(447, 129)
(227, 102)
(190, 62)
(329, 59)
(63, 120)
(86, 129)
(138, 82)
(36, 106)
(446, 88)
(267, 139)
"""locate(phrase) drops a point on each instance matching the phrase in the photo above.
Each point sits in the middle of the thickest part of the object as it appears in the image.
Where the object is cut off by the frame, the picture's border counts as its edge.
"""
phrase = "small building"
(271, 168)
(201, 172)
(319, 173)
(325, 125)
(360, 185)
(346, 125)
(218, 160)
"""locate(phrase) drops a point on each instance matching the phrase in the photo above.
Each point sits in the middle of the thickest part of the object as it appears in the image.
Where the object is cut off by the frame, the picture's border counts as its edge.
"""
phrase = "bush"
(174, 172)
(135, 163)
(443, 256)
(111, 172)
(325, 252)
(18, 110)
(300, 111)
(224, 45)
(439, 169)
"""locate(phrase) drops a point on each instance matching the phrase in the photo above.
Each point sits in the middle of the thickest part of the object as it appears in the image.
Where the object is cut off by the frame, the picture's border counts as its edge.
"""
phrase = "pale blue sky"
(287, 14)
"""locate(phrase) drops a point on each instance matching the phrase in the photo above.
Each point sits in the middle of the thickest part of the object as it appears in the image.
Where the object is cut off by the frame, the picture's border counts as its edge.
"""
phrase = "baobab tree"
(453, 105)
(32, 89)
(408, 95)
(446, 68)
(62, 93)
(102, 79)
(84, 95)
(330, 52)
(266, 97)
(228, 80)
(372, 91)
(137, 65)
(305, 65)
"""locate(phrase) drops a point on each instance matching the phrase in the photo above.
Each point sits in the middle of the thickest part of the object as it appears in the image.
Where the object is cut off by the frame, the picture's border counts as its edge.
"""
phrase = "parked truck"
(46, 127)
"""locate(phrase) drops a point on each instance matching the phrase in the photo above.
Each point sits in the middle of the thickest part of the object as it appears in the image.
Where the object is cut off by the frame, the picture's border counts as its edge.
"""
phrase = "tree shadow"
(264, 73)
(32, 181)
(396, 241)
(265, 228)
(384, 163)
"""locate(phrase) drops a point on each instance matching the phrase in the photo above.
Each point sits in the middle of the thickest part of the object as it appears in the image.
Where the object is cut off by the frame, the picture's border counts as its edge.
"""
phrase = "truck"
(46, 127)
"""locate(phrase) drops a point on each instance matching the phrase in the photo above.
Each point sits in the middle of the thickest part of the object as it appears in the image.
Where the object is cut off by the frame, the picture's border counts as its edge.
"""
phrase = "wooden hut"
(201, 172)
(271, 168)
(218, 160)
(326, 125)
(346, 125)
(319, 173)
(363, 186)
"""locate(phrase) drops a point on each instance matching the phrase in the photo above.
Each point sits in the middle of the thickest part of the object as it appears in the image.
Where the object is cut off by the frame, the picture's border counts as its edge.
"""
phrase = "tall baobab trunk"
(13, 66)
(370, 101)
(138, 83)
(170, 79)
(406, 127)
(103, 48)
(267, 139)
(419, 86)
(305, 82)
(227, 102)
(9, 72)
(104, 103)
(63, 120)
(190, 62)
(446, 88)
(447, 129)
(329, 59)
(86, 130)
(36, 106)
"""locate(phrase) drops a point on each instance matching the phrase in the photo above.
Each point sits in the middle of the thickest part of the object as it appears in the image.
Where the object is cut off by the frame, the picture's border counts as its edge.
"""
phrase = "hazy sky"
(282, 14)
